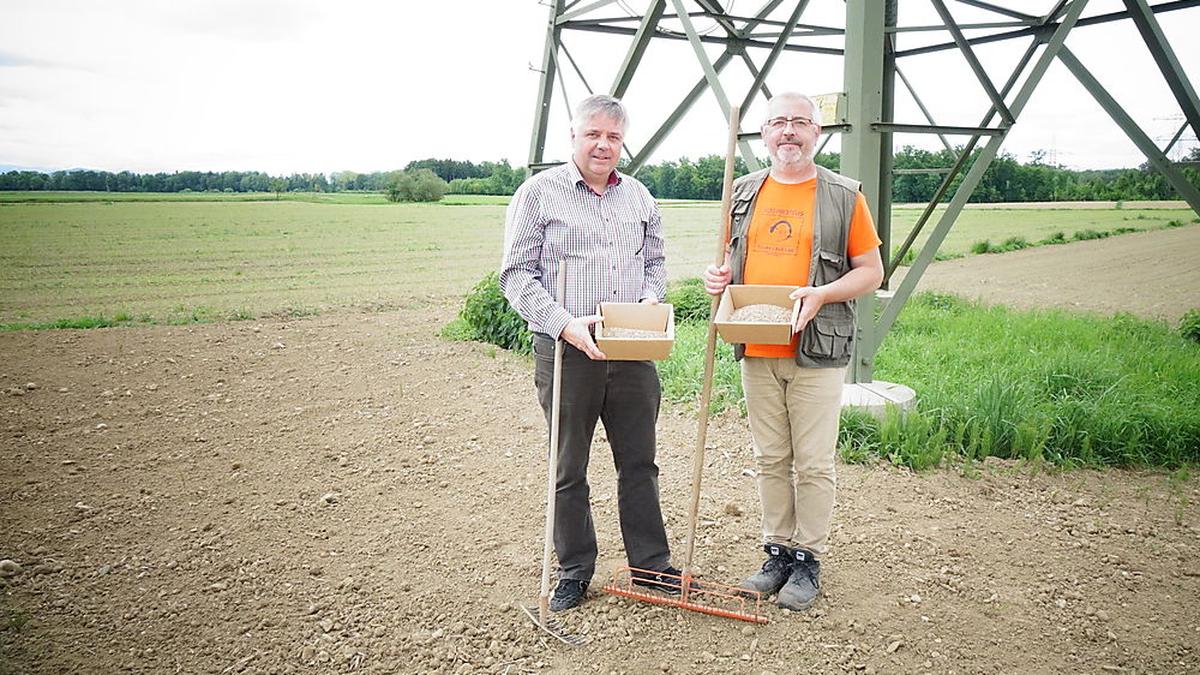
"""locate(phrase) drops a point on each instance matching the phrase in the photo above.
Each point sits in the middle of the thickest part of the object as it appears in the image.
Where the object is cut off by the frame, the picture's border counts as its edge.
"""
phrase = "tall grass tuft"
(1085, 235)
(981, 247)
(909, 256)
(1066, 388)
(683, 372)
(903, 438)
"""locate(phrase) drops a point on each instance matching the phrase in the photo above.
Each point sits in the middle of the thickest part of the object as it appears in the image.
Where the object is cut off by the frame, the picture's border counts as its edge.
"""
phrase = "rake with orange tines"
(731, 602)
(697, 595)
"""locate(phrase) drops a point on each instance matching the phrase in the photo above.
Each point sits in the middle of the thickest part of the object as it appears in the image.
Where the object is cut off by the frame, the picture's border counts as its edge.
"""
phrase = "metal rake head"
(553, 627)
(730, 602)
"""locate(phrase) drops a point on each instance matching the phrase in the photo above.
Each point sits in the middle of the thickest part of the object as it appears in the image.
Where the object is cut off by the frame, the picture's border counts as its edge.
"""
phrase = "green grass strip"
(1052, 386)
(179, 316)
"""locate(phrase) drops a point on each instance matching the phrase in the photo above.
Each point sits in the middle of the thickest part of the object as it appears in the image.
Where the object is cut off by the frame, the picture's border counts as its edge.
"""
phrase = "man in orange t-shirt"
(800, 225)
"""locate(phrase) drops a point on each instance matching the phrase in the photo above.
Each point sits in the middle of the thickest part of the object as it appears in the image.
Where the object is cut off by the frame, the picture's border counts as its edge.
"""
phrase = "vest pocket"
(827, 339)
(832, 267)
(735, 243)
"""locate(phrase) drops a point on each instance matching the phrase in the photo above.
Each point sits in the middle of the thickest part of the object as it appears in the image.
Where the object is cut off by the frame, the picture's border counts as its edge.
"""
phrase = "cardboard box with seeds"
(653, 326)
(736, 297)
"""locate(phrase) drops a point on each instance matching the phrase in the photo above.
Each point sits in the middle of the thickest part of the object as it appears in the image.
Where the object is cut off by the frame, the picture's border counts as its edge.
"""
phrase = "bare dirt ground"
(1149, 274)
(351, 493)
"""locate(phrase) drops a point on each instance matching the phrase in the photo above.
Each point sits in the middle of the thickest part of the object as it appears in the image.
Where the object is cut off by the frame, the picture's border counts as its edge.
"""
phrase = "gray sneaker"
(775, 571)
(804, 584)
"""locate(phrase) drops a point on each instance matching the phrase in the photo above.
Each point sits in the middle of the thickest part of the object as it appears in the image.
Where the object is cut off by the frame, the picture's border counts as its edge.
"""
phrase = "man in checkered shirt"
(607, 227)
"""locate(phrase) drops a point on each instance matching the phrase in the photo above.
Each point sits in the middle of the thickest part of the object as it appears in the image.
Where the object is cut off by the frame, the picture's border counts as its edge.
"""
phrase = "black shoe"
(804, 584)
(569, 593)
(667, 581)
(775, 571)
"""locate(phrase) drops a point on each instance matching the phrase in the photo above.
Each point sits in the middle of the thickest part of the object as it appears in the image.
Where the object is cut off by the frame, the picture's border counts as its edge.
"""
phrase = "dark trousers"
(625, 396)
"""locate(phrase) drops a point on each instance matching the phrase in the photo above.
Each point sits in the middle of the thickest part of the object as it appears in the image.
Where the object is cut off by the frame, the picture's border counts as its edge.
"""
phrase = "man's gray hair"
(803, 97)
(600, 104)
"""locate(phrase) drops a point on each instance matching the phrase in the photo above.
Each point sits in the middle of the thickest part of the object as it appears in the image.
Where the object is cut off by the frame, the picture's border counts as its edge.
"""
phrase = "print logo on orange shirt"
(779, 239)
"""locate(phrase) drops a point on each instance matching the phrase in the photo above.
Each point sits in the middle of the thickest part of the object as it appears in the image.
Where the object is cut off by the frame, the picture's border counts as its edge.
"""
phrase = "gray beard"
(800, 162)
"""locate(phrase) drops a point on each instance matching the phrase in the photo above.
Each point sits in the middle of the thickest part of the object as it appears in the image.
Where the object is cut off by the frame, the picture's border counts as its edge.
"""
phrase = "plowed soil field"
(350, 493)
(1148, 274)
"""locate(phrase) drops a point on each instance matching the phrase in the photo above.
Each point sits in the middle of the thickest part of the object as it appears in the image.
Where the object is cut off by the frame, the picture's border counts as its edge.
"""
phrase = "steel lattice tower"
(863, 112)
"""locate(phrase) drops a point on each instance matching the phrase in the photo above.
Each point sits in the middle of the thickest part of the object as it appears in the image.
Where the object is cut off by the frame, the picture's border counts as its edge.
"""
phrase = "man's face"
(597, 143)
(791, 132)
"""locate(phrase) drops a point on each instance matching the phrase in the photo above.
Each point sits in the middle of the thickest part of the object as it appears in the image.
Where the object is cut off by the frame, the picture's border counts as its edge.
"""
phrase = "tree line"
(918, 174)
(195, 181)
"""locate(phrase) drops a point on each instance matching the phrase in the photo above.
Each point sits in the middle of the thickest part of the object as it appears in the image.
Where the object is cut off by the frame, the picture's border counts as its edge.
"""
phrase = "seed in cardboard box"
(633, 333)
(761, 313)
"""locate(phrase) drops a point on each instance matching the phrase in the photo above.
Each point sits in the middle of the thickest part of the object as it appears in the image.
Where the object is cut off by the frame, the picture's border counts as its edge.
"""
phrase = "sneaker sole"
(799, 607)
(751, 592)
(563, 609)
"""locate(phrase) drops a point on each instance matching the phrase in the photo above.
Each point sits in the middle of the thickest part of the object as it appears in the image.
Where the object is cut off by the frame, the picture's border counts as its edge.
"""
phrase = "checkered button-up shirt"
(613, 245)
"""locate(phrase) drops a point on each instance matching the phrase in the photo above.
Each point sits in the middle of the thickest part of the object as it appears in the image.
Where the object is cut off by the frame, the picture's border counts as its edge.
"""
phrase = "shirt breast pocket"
(631, 237)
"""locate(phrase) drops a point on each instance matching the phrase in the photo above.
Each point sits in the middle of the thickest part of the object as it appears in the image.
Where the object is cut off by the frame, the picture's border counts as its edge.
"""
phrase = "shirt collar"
(614, 178)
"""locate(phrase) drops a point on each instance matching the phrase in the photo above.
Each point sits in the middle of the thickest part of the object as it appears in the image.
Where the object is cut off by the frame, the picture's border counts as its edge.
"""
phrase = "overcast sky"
(305, 86)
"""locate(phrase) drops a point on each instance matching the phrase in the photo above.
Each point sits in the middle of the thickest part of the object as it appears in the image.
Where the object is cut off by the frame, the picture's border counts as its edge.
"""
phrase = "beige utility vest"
(826, 341)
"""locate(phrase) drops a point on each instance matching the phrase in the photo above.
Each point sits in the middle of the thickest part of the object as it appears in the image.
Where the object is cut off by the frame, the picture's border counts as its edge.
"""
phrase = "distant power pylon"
(1177, 143)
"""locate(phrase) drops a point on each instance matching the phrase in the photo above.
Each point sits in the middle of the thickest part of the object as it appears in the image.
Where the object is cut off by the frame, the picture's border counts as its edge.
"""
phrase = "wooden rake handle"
(552, 464)
(710, 350)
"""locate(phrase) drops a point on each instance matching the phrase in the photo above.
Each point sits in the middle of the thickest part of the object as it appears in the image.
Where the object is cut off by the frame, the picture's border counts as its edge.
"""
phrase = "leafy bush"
(1189, 326)
(1175, 223)
(421, 185)
(491, 319)
(1057, 238)
(691, 301)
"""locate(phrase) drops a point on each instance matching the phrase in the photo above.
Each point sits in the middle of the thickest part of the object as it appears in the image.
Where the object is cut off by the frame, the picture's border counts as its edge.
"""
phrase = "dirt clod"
(9, 568)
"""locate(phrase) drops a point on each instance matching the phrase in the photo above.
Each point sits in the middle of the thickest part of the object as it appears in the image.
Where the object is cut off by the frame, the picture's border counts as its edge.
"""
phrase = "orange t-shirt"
(779, 243)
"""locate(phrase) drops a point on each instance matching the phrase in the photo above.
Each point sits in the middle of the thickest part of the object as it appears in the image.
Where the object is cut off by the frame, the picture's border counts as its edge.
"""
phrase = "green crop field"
(313, 197)
(211, 256)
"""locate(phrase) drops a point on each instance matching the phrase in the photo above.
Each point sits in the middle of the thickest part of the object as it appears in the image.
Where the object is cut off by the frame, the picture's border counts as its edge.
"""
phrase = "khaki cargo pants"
(794, 414)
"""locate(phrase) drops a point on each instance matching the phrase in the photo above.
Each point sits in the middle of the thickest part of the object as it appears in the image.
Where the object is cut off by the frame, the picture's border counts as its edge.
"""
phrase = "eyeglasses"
(780, 123)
